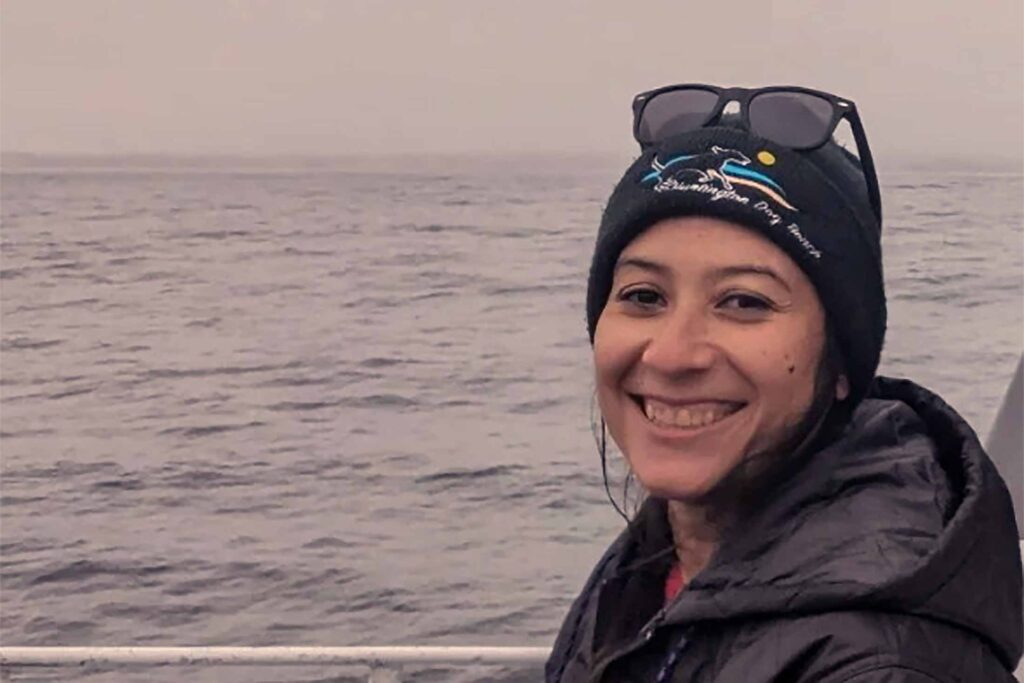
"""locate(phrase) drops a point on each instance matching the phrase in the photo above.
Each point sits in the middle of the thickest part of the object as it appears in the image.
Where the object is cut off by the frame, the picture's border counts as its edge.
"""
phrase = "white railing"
(382, 661)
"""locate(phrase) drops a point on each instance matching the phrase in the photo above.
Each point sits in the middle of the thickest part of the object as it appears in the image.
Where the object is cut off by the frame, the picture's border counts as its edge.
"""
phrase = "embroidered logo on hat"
(715, 173)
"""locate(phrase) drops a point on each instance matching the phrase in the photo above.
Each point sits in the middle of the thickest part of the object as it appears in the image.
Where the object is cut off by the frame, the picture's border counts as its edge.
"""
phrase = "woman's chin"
(679, 486)
(685, 475)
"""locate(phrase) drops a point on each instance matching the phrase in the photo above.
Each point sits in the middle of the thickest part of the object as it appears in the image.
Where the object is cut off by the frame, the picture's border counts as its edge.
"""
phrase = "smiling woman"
(717, 301)
(805, 520)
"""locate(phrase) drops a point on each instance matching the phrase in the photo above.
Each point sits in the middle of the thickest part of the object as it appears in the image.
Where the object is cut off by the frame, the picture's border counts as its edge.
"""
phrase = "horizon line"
(29, 159)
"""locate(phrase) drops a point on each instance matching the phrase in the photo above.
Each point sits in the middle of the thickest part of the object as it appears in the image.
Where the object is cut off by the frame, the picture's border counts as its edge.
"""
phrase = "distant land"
(403, 163)
(19, 161)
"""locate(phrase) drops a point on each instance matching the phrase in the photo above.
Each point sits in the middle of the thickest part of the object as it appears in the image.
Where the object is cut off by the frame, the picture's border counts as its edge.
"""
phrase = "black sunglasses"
(797, 118)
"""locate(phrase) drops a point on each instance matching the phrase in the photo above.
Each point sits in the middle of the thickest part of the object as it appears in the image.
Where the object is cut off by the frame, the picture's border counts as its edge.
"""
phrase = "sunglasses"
(797, 118)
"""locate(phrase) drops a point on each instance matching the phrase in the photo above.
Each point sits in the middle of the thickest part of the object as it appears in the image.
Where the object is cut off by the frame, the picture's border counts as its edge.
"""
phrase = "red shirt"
(673, 583)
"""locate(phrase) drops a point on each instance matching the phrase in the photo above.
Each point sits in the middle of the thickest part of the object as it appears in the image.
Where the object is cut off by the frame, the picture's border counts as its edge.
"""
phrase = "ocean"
(350, 402)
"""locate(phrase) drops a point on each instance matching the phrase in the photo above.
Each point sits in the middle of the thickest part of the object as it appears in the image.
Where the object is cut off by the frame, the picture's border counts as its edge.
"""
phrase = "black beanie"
(812, 204)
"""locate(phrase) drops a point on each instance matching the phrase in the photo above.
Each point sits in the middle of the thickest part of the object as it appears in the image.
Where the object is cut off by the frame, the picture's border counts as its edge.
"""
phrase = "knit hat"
(811, 204)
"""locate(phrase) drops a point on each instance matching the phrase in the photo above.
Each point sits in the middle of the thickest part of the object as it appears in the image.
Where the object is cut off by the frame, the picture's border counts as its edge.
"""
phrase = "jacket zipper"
(646, 633)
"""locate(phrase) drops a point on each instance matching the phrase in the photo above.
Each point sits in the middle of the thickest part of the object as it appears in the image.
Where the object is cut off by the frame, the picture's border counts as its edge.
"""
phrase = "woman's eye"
(641, 297)
(745, 302)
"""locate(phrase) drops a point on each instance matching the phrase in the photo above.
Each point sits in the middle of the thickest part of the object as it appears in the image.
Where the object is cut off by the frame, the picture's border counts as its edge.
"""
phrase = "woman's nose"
(681, 344)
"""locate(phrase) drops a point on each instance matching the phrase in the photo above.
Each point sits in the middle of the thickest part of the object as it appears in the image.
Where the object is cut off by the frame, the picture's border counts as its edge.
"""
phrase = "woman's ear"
(842, 387)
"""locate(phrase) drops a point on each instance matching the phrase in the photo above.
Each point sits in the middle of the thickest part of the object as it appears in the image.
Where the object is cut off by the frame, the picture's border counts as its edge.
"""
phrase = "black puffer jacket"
(891, 558)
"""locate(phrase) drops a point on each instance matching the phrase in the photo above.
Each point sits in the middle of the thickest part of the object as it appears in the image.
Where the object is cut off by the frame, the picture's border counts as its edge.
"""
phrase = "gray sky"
(931, 77)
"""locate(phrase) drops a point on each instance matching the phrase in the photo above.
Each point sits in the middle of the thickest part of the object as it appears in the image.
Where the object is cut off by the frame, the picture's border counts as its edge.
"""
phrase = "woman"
(805, 520)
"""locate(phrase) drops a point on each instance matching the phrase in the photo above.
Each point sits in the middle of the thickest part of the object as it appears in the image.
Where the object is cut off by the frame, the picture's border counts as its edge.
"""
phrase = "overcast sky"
(931, 77)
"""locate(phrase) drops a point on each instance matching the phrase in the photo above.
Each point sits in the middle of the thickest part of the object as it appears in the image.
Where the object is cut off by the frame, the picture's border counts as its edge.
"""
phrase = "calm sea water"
(352, 405)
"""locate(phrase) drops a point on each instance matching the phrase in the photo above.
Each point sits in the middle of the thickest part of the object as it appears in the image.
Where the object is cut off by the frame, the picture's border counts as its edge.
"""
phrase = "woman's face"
(706, 351)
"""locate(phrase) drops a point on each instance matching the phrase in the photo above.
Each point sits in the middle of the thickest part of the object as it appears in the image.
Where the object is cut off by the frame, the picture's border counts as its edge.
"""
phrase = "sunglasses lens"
(792, 119)
(675, 111)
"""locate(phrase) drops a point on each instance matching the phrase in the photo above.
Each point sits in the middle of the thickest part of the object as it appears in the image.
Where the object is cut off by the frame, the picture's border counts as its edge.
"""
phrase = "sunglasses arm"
(867, 164)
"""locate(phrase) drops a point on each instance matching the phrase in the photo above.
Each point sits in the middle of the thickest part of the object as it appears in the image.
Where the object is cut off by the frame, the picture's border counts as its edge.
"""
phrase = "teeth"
(685, 417)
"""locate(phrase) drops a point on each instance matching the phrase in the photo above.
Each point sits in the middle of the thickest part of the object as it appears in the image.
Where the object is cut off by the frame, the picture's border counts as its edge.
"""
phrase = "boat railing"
(384, 662)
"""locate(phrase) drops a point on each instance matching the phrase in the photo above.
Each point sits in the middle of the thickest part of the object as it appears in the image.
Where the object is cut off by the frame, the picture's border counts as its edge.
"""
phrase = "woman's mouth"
(687, 416)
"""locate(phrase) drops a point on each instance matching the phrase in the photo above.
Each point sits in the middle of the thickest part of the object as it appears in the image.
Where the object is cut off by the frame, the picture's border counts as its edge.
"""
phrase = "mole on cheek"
(792, 369)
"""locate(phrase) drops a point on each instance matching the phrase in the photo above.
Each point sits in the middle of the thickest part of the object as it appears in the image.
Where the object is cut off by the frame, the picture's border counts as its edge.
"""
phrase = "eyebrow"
(750, 269)
(716, 274)
(643, 264)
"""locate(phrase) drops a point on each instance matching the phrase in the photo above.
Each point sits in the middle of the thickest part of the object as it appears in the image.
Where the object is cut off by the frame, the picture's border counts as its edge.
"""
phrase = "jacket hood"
(904, 512)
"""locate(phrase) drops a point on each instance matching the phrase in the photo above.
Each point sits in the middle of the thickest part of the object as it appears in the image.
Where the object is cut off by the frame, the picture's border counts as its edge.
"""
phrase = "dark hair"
(759, 474)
